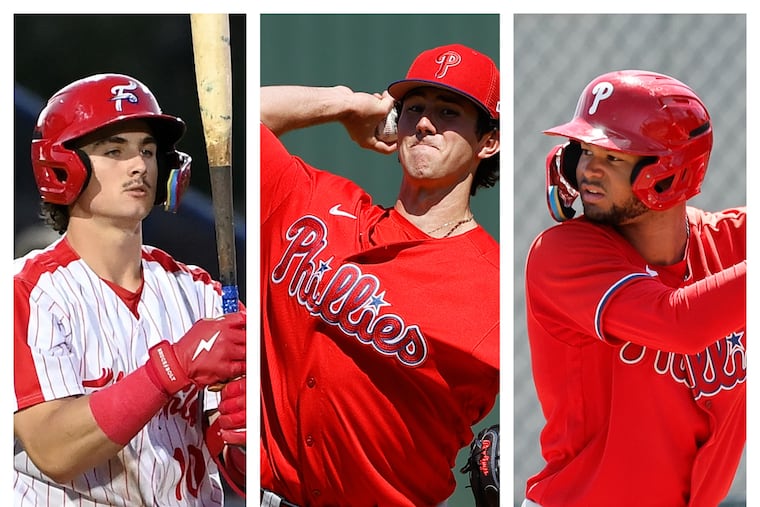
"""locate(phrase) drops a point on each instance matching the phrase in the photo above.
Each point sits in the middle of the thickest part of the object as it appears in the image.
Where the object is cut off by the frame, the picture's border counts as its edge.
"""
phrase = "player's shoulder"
(574, 233)
(37, 262)
(486, 247)
(574, 243)
(159, 259)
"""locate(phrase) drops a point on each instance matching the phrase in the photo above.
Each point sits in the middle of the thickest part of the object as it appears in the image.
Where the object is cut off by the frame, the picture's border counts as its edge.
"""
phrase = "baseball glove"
(482, 467)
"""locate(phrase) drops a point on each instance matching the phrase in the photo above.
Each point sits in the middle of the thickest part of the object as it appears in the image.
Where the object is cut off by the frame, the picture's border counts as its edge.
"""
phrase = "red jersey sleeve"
(584, 280)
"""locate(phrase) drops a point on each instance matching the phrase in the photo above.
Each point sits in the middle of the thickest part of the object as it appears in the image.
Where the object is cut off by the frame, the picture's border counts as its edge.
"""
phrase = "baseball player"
(380, 339)
(114, 340)
(636, 310)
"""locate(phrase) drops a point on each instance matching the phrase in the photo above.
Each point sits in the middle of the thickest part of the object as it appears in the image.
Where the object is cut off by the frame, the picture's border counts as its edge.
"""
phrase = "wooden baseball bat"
(213, 77)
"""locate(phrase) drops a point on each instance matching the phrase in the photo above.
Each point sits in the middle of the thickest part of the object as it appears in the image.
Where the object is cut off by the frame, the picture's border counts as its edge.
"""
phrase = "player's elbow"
(53, 465)
(57, 470)
(59, 448)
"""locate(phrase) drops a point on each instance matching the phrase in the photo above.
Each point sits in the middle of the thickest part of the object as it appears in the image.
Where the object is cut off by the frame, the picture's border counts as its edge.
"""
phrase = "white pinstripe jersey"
(73, 335)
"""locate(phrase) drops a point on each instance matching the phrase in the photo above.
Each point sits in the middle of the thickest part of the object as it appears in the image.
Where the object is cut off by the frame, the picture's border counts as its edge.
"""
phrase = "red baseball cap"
(457, 68)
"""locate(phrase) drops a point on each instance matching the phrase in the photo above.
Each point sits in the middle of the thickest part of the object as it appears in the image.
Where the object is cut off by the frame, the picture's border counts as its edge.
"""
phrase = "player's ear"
(491, 144)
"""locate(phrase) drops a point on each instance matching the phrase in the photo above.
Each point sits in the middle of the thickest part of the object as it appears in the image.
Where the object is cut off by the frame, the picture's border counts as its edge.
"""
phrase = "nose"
(590, 167)
(138, 165)
(425, 125)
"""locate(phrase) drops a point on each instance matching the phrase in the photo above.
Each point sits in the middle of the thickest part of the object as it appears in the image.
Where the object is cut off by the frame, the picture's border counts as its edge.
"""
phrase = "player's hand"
(212, 351)
(232, 412)
(366, 111)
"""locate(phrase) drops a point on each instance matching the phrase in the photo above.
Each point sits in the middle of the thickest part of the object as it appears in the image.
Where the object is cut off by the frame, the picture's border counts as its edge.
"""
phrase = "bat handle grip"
(229, 298)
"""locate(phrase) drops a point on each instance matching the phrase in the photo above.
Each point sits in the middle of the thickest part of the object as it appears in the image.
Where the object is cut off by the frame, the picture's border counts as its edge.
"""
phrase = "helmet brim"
(167, 129)
(582, 131)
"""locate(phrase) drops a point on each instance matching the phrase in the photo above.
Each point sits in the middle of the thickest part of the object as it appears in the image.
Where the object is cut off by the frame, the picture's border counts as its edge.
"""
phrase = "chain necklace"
(453, 228)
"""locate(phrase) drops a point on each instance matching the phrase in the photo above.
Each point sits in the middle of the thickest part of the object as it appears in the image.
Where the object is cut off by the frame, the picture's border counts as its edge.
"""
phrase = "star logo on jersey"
(336, 211)
(205, 345)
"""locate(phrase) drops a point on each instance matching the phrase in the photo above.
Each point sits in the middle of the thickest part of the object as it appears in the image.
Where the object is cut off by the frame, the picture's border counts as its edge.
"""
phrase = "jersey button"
(316, 492)
(309, 440)
(311, 382)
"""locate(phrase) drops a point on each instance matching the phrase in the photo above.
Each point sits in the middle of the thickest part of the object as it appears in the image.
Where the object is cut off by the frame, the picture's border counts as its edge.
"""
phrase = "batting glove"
(211, 352)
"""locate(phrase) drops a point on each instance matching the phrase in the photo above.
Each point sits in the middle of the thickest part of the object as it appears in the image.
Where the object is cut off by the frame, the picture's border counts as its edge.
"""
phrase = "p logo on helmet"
(91, 103)
(601, 91)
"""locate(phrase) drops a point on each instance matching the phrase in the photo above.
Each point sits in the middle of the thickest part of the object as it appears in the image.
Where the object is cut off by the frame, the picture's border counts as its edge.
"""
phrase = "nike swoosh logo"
(335, 210)
(650, 271)
(205, 345)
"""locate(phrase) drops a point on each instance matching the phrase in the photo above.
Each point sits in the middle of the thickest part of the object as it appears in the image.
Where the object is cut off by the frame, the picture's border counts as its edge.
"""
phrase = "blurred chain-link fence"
(555, 56)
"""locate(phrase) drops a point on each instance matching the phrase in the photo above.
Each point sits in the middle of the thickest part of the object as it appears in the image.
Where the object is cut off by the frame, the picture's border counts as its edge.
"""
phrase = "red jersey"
(641, 382)
(380, 344)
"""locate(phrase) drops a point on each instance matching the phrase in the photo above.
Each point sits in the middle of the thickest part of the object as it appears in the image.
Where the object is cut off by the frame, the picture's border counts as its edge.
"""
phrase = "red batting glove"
(212, 351)
(232, 413)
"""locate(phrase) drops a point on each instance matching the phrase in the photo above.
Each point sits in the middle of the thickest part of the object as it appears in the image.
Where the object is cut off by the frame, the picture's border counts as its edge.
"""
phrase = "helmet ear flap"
(60, 173)
(561, 181)
(664, 182)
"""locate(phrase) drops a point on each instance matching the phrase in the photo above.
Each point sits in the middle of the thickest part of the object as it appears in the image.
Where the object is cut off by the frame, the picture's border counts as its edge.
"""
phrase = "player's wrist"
(165, 370)
(121, 410)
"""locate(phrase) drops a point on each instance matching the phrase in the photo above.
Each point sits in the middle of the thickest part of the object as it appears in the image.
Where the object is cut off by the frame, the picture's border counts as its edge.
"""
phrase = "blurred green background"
(366, 52)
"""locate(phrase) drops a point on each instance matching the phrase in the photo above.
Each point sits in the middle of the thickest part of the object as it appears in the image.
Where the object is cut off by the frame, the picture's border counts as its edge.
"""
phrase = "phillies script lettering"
(721, 366)
(344, 297)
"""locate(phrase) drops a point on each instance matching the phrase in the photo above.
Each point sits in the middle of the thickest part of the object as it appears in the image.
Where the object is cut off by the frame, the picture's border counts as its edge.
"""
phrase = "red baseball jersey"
(74, 334)
(380, 345)
(639, 371)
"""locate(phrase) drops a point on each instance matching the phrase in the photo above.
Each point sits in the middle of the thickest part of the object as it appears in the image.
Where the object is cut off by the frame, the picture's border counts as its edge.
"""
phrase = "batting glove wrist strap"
(164, 368)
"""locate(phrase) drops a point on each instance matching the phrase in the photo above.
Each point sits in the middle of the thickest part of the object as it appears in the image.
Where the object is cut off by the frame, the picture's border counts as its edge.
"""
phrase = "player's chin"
(137, 211)
(596, 213)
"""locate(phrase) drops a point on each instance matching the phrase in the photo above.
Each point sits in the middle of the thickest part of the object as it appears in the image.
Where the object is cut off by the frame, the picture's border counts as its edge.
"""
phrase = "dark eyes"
(443, 111)
(611, 158)
(116, 152)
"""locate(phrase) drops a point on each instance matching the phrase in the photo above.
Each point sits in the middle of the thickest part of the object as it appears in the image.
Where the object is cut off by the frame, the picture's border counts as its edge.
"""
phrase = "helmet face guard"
(85, 106)
(646, 114)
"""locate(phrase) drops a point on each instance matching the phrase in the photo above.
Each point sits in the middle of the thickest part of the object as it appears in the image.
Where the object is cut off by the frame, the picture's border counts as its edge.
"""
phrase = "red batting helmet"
(86, 105)
(648, 114)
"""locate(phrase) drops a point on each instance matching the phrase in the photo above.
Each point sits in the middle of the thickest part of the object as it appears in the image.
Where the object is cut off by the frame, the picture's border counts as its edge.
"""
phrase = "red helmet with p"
(640, 113)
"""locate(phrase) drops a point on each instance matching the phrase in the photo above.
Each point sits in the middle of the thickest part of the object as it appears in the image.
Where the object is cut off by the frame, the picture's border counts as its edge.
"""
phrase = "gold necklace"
(453, 228)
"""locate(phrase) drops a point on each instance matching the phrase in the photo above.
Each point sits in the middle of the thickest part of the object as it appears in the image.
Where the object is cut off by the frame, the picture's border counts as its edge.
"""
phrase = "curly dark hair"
(487, 173)
(55, 215)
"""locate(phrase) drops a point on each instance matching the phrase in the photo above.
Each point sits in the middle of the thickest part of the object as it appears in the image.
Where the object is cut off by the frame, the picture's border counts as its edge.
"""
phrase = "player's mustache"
(135, 184)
